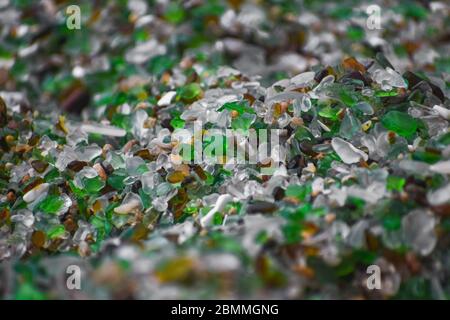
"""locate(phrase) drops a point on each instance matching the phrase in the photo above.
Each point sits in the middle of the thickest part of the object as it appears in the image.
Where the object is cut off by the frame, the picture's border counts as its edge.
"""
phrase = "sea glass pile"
(90, 176)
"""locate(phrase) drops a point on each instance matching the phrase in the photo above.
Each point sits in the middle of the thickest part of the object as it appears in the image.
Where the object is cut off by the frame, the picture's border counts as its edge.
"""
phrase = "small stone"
(38, 238)
(221, 202)
(364, 107)
(88, 153)
(36, 192)
(261, 207)
(175, 177)
(389, 78)
(418, 231)
(3, 113)
(400, 122)
(56, 232)
(11, 196)
(166, 99)
(443, 112)
(190, 92)
(366, 125)
(442, 167)
(347, 152)
(103, 130)
(439, 196)
(39, 165)
(200, 172)
(352, 63)
(414, 166)
(55, 204)
(65, 157)
(76, 165)
(61, 124)
(132, 202)
(303, 78)
(88, 179)
(350, 125)
(101, 172)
